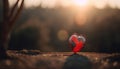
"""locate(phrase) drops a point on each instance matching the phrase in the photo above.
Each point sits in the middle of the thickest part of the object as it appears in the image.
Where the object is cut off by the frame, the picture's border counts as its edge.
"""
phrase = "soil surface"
(34, 59)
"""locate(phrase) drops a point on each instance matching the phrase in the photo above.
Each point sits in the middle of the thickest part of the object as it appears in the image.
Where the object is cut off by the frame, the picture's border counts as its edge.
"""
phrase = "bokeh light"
(65, 3)
(48, 3)
(118, 3)
(62, 35)
(80, 3)
(32, 3)
(112, 4)
(11, 2)
(100, 4)
(80, 19)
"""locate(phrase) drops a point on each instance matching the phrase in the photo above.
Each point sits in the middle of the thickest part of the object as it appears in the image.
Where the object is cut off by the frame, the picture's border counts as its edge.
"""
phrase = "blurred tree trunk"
(9, 18)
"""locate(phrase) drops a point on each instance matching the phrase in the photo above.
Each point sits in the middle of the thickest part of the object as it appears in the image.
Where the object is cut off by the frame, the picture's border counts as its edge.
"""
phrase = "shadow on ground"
(77, 61)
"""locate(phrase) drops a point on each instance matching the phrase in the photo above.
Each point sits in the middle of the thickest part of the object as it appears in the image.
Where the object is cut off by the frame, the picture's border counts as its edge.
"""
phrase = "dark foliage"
(25, 39)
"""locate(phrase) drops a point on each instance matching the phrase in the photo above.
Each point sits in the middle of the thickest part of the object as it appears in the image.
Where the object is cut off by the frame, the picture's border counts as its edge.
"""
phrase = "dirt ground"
(34, 59)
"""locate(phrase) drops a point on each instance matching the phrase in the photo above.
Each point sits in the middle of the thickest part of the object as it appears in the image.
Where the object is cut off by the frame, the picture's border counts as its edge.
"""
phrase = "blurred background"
(46, 25)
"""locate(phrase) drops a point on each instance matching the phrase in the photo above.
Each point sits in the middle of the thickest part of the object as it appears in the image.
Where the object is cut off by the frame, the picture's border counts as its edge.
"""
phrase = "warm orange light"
(81, 19)
(80, 3)
(62, 35)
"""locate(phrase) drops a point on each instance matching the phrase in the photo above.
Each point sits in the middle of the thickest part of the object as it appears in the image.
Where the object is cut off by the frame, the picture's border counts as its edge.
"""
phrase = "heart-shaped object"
(76, 42)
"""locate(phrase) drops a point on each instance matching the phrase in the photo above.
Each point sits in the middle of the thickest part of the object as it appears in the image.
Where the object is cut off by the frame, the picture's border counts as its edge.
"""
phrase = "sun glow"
(100, 4)
(80, 3)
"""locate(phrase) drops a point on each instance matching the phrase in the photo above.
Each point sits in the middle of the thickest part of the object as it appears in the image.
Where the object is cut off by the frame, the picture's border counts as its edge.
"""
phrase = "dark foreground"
(60, 60)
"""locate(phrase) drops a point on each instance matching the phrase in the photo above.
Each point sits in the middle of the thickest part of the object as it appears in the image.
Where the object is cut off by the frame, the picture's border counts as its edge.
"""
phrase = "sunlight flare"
(80, 3)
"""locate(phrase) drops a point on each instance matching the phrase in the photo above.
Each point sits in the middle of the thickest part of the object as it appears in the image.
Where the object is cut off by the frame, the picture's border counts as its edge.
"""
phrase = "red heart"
(76, 42)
